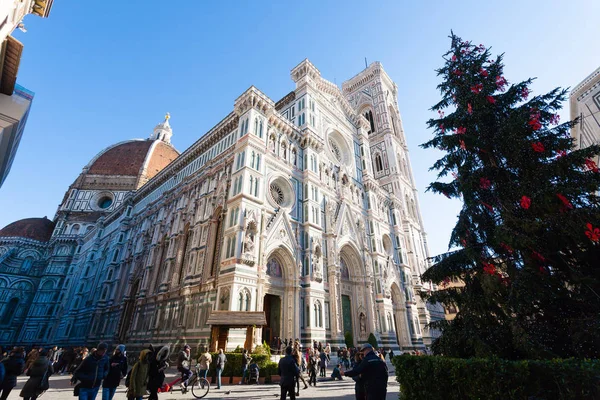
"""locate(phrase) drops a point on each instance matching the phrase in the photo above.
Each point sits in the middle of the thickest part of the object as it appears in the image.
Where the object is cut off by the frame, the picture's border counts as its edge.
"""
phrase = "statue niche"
(249, 238)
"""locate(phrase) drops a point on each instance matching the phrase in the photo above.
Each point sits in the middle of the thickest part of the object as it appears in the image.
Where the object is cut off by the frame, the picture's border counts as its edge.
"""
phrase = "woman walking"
(138, 380)
(156, 371)
(39, 373)
(117, 370)
(14, 365)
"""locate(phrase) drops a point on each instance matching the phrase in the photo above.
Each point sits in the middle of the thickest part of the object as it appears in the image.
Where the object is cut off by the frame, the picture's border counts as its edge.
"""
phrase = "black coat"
(113, 379)
(92, 371)
(374, 374)
(14, 367)
(288, 371)
(36, 372)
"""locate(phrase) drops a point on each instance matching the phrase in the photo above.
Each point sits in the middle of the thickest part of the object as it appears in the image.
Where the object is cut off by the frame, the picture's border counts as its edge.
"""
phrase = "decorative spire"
(163, 130)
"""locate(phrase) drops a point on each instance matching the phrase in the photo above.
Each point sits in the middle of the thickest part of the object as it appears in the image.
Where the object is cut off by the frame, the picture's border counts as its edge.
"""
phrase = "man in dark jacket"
(374, 373)
(183, 366)
(117, 370)
(91, 372)
(245, 362)
(13, 366)
(288, 371)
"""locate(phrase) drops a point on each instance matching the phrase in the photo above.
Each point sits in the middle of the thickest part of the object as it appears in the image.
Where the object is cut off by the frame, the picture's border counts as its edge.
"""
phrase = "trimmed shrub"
(349, 339)
(372, 340)
(233, 366)
(435, 377)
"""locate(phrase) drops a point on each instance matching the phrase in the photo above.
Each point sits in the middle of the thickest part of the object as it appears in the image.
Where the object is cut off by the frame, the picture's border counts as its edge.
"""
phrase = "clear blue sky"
(107, 71)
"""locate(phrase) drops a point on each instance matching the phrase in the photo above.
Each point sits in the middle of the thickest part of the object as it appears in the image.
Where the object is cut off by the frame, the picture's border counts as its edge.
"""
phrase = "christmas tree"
(528, 234)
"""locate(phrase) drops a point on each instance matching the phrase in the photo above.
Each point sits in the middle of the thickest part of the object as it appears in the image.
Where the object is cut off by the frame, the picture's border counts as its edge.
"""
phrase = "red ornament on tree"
(489, 268)
(525, 202)
(538, 147)
(491, 99)
(469, 108)
(561, 153)
(461, 130)
(485, 183)
(483, 72)
(489, 207)
(500, 83)
(555, 119)
(457, 72)
(592, 233)
(462, 144)
(453, 57)
(591, 165)
(506, 247)
(525, 93)
(566, 203)
(477, 88)
(442, 128)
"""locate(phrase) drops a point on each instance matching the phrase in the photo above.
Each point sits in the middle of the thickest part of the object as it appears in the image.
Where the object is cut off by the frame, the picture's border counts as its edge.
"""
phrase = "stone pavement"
(61, 390)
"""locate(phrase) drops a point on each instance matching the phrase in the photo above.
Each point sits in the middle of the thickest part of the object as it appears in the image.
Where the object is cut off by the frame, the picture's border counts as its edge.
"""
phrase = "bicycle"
(198, 384)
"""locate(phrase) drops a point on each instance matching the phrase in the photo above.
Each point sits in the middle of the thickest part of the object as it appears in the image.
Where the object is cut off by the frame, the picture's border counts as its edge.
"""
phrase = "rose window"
(335, 149)
(276, 193)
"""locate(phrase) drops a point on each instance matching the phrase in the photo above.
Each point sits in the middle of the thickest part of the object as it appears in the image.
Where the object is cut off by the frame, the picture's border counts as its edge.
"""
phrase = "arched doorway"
(353, 302)
(279, 296)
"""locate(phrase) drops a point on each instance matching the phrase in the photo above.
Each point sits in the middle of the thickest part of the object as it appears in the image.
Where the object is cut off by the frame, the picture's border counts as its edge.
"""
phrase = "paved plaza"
(60, 389)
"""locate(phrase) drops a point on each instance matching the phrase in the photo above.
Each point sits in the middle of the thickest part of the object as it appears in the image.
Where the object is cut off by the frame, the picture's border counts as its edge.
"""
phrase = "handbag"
(76, 389)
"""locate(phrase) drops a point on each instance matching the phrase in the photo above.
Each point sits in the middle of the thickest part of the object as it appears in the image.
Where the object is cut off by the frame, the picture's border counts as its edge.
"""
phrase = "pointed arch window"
(240, 301)
(260, 129)
(369, 117)
(27, 264)
(256, 126)
(10, 310)
(378, 163)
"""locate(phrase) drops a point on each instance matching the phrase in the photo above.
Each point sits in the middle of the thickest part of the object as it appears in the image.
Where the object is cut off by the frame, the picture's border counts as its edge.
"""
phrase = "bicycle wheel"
(200, 388)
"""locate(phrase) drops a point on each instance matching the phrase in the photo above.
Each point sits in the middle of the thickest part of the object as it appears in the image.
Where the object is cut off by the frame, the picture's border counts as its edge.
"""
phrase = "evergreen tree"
(528, 234)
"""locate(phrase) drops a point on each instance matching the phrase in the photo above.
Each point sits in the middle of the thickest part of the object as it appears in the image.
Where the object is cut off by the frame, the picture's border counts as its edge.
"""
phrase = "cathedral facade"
(302, 211)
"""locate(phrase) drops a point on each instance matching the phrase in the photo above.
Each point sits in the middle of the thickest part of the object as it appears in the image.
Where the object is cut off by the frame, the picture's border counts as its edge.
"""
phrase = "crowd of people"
(90, 370)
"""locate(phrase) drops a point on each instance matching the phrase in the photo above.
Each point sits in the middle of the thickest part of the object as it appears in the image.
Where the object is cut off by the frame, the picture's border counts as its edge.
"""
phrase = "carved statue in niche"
(330, 211)
(272, 143)
(317, 268)
(363, 324)
(249, 242)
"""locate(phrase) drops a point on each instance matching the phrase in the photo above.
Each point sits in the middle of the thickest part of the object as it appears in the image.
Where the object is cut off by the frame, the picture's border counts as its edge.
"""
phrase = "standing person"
(328, 352)
(245, 362)
(323, 364)
(288, 371)
(91, 372)
(14, 365)
(156, 371)
(297, 357)
(83, 353)
(31, 357)
(138, 377)
(204, 363)
(373, 371)
(117, 370)
(221, 360)
(52, 354)
(39, 373)
(391, 355)
(313, 362)
(67, 359)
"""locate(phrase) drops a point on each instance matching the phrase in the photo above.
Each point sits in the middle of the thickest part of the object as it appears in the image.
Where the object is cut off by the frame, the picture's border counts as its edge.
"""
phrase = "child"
(336, 374)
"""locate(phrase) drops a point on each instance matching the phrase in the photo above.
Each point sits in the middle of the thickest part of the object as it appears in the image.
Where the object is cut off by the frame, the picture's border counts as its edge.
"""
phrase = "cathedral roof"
(39, 229)
(128, 158)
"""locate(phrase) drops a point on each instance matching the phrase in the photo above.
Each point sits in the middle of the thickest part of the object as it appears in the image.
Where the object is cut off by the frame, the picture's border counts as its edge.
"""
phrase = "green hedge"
(434, 377)
(233, 366)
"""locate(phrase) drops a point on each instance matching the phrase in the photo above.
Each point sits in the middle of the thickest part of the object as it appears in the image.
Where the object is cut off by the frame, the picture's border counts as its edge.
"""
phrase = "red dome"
(128, 158)
(39, 229)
